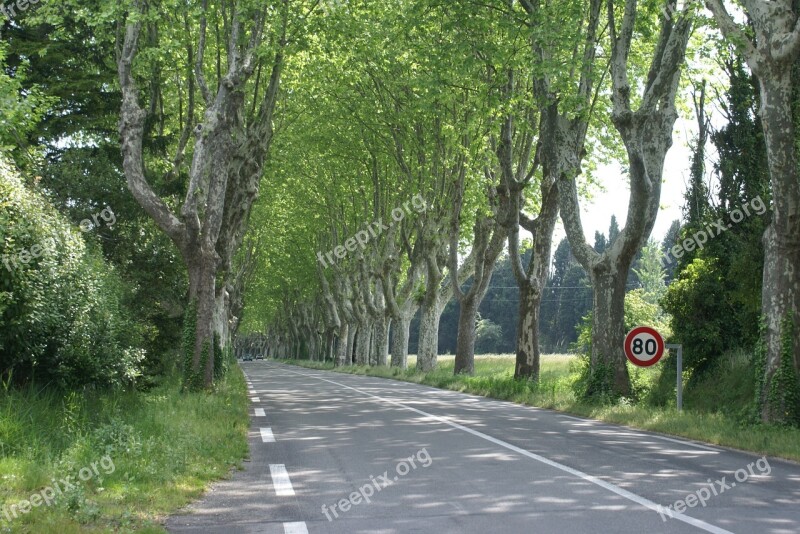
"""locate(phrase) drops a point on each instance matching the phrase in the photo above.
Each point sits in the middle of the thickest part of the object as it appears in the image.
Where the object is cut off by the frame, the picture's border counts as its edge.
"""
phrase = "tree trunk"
(780, 387)
(382, 340)
(465, 343)
(202, 291)
(771, 46)
(373, 347)
(363, 336)
(342, 347)
(428, 344)
(400, 335)
(531, 282)
(609, 370)
(528, 353)
(780, 391)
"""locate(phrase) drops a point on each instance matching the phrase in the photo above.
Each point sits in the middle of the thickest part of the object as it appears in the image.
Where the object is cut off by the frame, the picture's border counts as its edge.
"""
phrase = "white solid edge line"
(647, 503)
(266, 435)
(644, 435)
(260, 412)
(682, 442)
(280, 480)
(295, 528)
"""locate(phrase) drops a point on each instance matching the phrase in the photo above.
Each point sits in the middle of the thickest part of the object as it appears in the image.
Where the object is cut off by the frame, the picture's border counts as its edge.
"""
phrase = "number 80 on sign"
(644, 346)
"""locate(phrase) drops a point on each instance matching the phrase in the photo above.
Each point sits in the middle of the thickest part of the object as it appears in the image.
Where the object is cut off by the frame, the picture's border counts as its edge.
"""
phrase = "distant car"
(260, 356)
(247, 357)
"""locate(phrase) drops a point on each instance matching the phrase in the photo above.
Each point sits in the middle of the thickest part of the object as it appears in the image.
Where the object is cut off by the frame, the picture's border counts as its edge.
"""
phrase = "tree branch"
(131, 129)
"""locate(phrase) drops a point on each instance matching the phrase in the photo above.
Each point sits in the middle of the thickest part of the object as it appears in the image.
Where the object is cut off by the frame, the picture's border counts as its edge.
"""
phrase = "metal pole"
(679, 348)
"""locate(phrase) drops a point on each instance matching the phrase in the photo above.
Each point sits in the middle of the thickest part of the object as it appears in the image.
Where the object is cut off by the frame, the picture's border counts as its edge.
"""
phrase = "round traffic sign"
(644, 346)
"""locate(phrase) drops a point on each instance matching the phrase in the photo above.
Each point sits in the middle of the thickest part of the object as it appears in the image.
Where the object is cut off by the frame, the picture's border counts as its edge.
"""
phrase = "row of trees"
(486, 116)
(494, 114)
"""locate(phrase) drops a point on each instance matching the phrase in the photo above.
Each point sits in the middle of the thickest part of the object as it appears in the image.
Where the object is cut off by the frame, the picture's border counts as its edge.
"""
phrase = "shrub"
(701, 314)
(60, 302)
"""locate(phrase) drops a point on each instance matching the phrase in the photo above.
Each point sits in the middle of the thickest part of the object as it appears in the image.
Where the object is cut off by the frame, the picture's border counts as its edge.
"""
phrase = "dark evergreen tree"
(613, 230)
(599, 242)
(670, 240)
(715, 301)
(697, 204)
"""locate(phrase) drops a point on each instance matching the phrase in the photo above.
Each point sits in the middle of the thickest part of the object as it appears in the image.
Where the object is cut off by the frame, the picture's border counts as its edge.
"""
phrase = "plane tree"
(642, 84)
(232, 75)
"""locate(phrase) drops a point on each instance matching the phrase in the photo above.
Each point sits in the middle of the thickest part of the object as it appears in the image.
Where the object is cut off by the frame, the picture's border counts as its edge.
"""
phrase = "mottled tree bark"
(531, 281)
(647, 135)
(489, 238)
(341, 348)
(428, 341)
(400, 334)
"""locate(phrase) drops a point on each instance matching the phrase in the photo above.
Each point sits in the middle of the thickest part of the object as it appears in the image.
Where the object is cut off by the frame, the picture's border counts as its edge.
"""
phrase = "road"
(342, 453)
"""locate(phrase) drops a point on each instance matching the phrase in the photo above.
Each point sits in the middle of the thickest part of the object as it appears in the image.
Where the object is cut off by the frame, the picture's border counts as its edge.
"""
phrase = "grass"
(153, 452)
(718, 408)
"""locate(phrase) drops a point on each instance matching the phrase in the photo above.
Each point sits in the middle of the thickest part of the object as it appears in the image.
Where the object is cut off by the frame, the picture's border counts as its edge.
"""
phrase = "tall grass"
(165, 446)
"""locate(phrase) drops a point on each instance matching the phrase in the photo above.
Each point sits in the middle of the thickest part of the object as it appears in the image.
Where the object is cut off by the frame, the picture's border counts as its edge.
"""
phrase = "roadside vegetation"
(91, 382)
(718, 409)
(154, 451)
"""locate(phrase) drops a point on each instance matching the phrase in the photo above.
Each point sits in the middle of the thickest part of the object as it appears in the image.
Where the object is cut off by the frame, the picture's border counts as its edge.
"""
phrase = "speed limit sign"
(644, 346)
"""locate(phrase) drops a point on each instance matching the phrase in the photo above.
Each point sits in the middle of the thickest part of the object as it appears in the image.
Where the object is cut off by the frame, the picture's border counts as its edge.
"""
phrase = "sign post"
(679, 348)
(644, 346)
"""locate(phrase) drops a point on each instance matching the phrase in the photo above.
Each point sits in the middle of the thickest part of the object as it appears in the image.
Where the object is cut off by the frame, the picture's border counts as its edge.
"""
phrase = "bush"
(60, 302)
(702, 317)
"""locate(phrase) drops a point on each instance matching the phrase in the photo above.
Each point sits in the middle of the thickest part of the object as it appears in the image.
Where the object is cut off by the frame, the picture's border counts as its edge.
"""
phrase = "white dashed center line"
(267, 436)
(295, 528)
(280, 480)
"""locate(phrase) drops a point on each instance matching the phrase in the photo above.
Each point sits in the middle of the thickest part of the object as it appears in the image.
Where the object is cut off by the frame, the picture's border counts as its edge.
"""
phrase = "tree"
(562, 132)
(487, 335)
(772, 55)
(715, 299)
(65, 54)
(647, 135)
(650, 272)
(697, 204)
(231, 144)
(61, 305)
(613, 230)
(670, 240)
(489, 239)
(599, 242)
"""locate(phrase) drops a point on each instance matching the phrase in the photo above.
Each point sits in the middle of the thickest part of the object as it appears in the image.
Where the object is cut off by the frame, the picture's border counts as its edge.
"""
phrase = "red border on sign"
(629, 341)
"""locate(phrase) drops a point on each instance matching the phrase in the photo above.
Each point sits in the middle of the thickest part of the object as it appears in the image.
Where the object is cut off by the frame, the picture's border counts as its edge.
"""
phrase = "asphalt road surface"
(349, 454)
